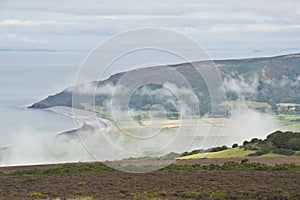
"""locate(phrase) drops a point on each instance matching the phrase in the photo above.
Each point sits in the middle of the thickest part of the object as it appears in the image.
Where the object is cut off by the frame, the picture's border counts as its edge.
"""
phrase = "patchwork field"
(289, 122)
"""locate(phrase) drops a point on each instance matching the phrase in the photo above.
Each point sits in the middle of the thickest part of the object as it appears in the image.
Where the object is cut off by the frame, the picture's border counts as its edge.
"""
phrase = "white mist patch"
(240, 86)
(31, 147)
(246, 124)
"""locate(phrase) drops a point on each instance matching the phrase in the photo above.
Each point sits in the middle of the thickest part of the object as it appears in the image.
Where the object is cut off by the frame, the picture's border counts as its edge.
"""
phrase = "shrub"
(34, 194)
(287, 152)
(230, 165)
(245, 143)
(294, 143)
(216, 149)
(151, 194)
(255, 140)
(285, 166)
(245, 160)
(191, 193)
(217, 194)
(256, 166)
(31, 180)
(260, 152)
(285, 140)
(235, 145)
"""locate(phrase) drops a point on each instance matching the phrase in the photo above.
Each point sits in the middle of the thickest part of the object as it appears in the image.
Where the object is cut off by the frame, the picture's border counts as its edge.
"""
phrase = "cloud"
(265, 7)
(240, 86)
(82, 25)
(286, 82)
(16, 22)
(221, 28)
(156, 7)
(23, 38)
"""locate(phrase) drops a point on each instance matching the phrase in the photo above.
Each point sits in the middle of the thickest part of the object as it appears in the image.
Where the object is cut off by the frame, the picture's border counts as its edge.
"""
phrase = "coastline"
(64, 145)
(83, 120)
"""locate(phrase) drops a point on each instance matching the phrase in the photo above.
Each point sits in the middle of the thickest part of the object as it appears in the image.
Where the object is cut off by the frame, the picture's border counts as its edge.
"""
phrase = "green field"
(287, 104)
(271, 154)
(251, 104)
(228, 153)
(289, 122)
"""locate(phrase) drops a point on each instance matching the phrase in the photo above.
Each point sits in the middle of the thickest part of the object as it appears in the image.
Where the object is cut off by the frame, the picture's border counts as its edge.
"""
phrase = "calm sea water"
(16, 118)
(26, 78)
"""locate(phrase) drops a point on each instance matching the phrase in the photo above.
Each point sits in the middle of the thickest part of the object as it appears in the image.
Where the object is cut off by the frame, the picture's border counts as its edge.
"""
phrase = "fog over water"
(29, 136)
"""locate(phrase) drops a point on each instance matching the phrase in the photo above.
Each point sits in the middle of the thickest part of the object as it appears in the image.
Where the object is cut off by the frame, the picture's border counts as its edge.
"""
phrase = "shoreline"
(83, 118)
(83, 126)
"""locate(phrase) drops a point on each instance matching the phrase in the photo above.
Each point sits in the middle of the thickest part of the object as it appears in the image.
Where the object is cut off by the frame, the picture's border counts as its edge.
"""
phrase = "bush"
(294, 144)
(245, 160)
(230, 165)
(216, 149)
(286, 166)
(245, 143)
(260, 152)
(255, 140)
(285, 140)
(34, 194)
(287, 152)
(235, 145)
(197, 151)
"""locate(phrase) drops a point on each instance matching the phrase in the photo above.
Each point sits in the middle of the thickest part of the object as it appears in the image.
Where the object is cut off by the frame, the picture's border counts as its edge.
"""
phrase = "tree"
(245, 143)
(294, 144)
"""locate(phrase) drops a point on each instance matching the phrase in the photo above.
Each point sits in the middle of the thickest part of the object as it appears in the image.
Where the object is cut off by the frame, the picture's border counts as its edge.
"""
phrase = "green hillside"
(277, 84)
(228, 153)
(276, 144)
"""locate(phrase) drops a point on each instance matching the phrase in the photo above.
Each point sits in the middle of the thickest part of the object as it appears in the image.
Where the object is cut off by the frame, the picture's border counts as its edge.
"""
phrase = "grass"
(228, 153)
(102, 111)
(271, 154)
(252, 104)
(99, 167)
(289, 122)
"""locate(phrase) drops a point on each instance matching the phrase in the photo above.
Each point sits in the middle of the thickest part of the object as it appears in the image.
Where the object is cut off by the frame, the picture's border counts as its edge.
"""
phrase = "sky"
(224, 28)
(44, 44)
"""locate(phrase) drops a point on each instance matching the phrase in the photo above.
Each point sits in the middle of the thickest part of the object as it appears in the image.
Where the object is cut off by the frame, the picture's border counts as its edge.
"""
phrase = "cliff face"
(63, 98)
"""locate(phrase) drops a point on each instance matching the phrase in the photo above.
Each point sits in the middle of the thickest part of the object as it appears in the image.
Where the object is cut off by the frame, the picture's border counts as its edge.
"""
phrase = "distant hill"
(271, 80)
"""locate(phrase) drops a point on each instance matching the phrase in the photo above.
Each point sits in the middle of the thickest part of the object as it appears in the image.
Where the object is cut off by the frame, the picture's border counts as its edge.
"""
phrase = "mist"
(245, 122)
(29, 146)
(126, 138)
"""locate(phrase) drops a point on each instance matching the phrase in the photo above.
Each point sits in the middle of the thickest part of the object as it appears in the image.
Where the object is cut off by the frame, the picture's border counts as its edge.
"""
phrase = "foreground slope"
(95, 181)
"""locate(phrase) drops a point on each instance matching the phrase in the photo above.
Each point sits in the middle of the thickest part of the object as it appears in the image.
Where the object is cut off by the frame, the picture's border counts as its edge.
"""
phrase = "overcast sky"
(225, 28)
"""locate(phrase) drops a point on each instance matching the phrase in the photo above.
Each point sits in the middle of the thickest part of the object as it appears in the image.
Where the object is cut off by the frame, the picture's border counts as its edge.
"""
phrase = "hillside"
(271, 80)
(276, 144)
(227, 180)
(228, 153)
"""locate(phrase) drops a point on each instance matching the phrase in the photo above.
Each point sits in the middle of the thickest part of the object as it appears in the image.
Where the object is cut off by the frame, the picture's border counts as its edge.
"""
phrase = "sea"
(27, 77)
